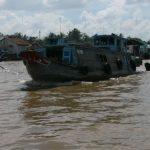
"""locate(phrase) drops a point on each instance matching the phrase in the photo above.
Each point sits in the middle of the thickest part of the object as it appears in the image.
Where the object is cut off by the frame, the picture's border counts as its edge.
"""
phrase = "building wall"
(11, 47)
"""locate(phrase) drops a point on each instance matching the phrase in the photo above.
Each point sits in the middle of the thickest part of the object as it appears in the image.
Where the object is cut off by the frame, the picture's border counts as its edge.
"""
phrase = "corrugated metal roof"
(19, 41)
(1, 38)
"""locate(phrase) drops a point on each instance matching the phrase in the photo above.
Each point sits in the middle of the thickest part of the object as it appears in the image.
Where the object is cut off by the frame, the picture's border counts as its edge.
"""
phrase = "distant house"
(136, 47)
(139, 48)
(13, 46)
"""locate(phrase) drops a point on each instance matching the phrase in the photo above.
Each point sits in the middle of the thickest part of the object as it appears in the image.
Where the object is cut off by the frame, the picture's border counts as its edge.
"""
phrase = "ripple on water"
(112, 114)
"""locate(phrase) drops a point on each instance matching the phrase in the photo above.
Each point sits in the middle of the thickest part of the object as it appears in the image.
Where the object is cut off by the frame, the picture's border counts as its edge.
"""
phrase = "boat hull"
(60, 73)
(78, 63)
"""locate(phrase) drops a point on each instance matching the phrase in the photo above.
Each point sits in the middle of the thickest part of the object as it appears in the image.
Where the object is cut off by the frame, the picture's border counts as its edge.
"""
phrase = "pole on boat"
(60, 25)
(39, 34)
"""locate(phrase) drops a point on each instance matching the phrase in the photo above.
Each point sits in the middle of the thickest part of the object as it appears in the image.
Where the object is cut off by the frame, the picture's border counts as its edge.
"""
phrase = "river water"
(105, 115)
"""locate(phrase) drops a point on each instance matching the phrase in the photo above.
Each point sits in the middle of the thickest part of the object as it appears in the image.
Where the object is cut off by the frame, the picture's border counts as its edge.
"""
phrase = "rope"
(2, 67)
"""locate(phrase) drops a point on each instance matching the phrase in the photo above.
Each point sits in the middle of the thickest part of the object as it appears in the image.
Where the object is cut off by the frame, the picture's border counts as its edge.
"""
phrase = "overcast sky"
(130, 17)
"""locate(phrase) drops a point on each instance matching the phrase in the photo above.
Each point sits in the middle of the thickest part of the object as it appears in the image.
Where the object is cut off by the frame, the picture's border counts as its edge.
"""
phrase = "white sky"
(130, 17)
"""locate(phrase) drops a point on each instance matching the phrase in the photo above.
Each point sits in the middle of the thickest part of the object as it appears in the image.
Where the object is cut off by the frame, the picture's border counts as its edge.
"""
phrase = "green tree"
(134, 41)
(61, 35)
(74, 35)
(32, 39)
(18, 35)
(87, 39)
(50, 37)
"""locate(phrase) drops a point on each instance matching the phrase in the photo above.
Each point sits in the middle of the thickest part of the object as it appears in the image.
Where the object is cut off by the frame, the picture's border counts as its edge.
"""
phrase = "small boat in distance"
(62, 62)
(3, 55)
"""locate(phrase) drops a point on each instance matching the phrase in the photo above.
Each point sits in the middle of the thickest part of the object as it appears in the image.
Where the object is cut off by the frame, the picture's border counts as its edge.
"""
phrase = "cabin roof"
(134, 42)
(108, 36)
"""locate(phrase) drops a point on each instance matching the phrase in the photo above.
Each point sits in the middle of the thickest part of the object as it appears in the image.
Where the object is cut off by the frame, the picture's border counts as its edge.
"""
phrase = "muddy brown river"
(104, 115)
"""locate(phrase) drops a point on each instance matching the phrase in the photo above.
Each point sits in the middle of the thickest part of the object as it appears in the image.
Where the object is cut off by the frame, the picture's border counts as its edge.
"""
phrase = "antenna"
(39, 34)
(60, 25)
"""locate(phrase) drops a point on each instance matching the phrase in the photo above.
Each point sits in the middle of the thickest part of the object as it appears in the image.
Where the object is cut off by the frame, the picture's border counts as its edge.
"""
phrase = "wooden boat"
(147, 66)
(107, 58)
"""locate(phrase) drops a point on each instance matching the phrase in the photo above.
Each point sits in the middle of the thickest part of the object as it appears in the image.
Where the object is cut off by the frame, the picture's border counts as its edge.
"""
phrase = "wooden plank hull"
(60, 73)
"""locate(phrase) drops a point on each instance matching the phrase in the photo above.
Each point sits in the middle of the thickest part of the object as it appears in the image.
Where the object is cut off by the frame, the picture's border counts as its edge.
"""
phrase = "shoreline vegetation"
(74, 35)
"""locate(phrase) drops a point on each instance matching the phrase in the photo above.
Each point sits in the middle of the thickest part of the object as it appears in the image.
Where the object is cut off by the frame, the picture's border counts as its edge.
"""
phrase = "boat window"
(66, 53)
(54, 53)
(103, 58)
(103, 41)
(69, 56)
(80, 52)
(97, 42)
(111, 41)
(66, 56)
(124, 44)
(118, 42)
(11, 46)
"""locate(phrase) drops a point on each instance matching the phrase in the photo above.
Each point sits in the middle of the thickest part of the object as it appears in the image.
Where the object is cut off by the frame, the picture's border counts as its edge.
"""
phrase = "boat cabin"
(111, 42)
(62, 54)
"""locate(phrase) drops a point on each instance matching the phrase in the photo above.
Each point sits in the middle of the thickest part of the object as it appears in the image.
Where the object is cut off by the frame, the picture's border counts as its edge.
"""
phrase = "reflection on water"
(111, 114)
(84, 99)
